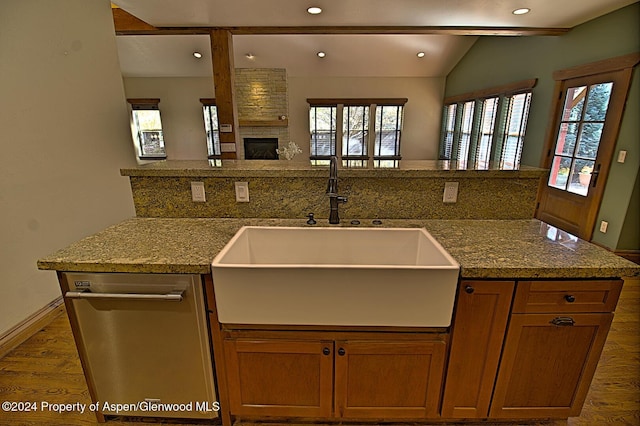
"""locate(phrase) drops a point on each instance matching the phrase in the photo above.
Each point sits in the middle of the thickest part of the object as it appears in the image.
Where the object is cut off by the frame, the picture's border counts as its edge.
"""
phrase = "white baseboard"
(18, 334)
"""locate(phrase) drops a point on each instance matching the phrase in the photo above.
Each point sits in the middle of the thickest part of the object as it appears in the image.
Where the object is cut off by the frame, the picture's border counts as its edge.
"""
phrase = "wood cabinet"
(549, 358)
(384, 376)
(519, 349)
(386, 379)
(480, 321)
(279, 377)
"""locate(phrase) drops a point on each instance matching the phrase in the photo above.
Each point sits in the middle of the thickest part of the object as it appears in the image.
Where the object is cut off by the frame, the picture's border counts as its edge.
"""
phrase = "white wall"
(64, 135)
(180, 111)
(183, 126)
(422, 113)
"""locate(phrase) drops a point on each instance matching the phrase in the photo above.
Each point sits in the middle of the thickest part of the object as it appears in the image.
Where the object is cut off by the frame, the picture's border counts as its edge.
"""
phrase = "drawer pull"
(562, 321)
(469, 289)
(570, 298)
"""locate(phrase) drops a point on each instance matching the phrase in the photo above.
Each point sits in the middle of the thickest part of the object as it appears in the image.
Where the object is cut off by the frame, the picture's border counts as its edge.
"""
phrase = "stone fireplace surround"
(262, 100)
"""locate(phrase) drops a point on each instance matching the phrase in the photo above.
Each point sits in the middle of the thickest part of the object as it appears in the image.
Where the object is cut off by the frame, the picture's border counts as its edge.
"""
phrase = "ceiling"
(417, 26)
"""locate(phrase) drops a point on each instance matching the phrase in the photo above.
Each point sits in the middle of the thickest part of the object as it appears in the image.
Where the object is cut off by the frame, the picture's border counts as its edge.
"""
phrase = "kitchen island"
(526, 289)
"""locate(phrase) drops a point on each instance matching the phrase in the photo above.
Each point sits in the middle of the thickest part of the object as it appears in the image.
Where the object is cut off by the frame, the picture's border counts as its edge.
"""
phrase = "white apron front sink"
(335, 277)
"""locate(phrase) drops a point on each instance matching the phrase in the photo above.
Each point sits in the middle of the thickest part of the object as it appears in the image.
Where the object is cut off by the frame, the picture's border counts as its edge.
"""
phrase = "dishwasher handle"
(175, 296)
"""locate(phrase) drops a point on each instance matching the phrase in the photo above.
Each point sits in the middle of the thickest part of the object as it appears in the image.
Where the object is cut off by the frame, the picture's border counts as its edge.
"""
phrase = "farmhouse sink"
(335, 276)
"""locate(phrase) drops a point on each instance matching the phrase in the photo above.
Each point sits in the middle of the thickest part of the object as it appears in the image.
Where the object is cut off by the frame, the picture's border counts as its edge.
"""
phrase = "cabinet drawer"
(567, 296)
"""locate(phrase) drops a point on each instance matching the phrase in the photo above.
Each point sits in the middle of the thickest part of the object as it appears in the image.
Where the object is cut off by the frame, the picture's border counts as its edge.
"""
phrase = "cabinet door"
(279, 377)
(479, 325)
(547, 364)
(388, 380)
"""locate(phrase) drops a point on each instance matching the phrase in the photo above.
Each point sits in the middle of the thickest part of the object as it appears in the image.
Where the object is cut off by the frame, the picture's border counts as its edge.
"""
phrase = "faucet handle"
(311, 220)
(342, 199)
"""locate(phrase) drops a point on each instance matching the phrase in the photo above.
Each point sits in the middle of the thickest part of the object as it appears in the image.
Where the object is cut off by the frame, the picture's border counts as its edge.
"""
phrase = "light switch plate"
(197, 192)
(622, 155)
(450, 194)
(242, 192)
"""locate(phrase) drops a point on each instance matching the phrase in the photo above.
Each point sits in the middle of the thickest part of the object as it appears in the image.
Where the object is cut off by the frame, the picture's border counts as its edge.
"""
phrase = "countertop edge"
(279, 168)
(148, 245)
(459, 174)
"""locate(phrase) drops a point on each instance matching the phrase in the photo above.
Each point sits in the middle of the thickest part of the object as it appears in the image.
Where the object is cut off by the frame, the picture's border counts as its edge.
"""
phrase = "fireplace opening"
(260, 148)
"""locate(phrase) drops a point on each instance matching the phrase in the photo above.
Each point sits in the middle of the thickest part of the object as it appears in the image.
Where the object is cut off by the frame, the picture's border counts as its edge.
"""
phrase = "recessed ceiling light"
(420, 55)
(249, 56)
(197, 54)
(521, 11)
(314, 10)
(321, 54)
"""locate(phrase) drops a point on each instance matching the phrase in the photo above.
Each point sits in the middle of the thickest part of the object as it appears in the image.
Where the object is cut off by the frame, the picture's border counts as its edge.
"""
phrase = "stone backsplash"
(368, 197)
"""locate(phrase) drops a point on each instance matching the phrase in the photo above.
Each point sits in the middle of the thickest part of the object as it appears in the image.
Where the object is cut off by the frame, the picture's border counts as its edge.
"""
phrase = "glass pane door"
(578, 138)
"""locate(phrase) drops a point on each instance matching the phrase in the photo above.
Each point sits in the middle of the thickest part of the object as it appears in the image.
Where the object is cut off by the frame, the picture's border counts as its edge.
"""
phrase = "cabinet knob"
(341, 352)
(570, 298)
(469, 289)
(326, 351)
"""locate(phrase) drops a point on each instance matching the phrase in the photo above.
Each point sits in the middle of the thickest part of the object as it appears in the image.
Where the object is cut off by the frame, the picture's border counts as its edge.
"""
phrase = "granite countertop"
(283, 168)
(483, 248)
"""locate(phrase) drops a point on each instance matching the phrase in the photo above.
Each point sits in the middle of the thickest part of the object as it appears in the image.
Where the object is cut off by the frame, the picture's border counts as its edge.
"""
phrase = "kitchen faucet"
(332, 191)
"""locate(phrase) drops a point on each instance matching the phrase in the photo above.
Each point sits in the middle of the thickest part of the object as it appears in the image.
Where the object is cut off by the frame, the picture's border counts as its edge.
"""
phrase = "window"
(322, 125)
(448, 127)
(146, 128)
(210, 112)
(355, 132)
(386, 149)
(486, 126)
(511, 146)
(581, 123)
(343, 127)
(466, 128)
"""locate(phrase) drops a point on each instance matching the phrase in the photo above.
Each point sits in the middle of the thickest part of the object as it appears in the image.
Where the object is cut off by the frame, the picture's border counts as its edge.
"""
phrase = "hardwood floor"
(46, 369)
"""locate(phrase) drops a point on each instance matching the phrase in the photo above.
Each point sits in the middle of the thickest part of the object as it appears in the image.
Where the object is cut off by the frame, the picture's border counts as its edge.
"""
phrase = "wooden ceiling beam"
(380, 30)
(124, 21)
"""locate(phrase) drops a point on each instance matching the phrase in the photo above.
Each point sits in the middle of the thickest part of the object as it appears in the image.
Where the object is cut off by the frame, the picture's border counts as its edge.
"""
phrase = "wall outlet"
(242, 192)
(603, 226)
(197, 192)
(450, 194)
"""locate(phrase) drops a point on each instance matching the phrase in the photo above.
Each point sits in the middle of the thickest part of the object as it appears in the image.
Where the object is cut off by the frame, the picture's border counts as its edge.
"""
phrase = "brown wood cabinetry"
(385, 376)
(549, 358)
(387, 379)
(279, 377)
(567, 296)
(519, 349)
(482, 312)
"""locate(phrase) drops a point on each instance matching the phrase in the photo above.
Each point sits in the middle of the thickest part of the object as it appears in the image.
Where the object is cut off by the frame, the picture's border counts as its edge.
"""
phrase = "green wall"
(629, 238)
(493, 61)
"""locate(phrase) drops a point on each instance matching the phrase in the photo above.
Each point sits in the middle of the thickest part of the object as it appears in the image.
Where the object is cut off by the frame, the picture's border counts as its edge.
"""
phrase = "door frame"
(623, 66)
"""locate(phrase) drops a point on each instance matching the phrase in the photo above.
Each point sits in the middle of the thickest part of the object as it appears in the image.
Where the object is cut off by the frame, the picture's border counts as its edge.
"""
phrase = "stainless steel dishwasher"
(144, 343)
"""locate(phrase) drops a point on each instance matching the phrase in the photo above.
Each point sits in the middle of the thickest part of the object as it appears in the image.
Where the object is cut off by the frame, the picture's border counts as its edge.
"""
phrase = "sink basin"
(335, 276)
